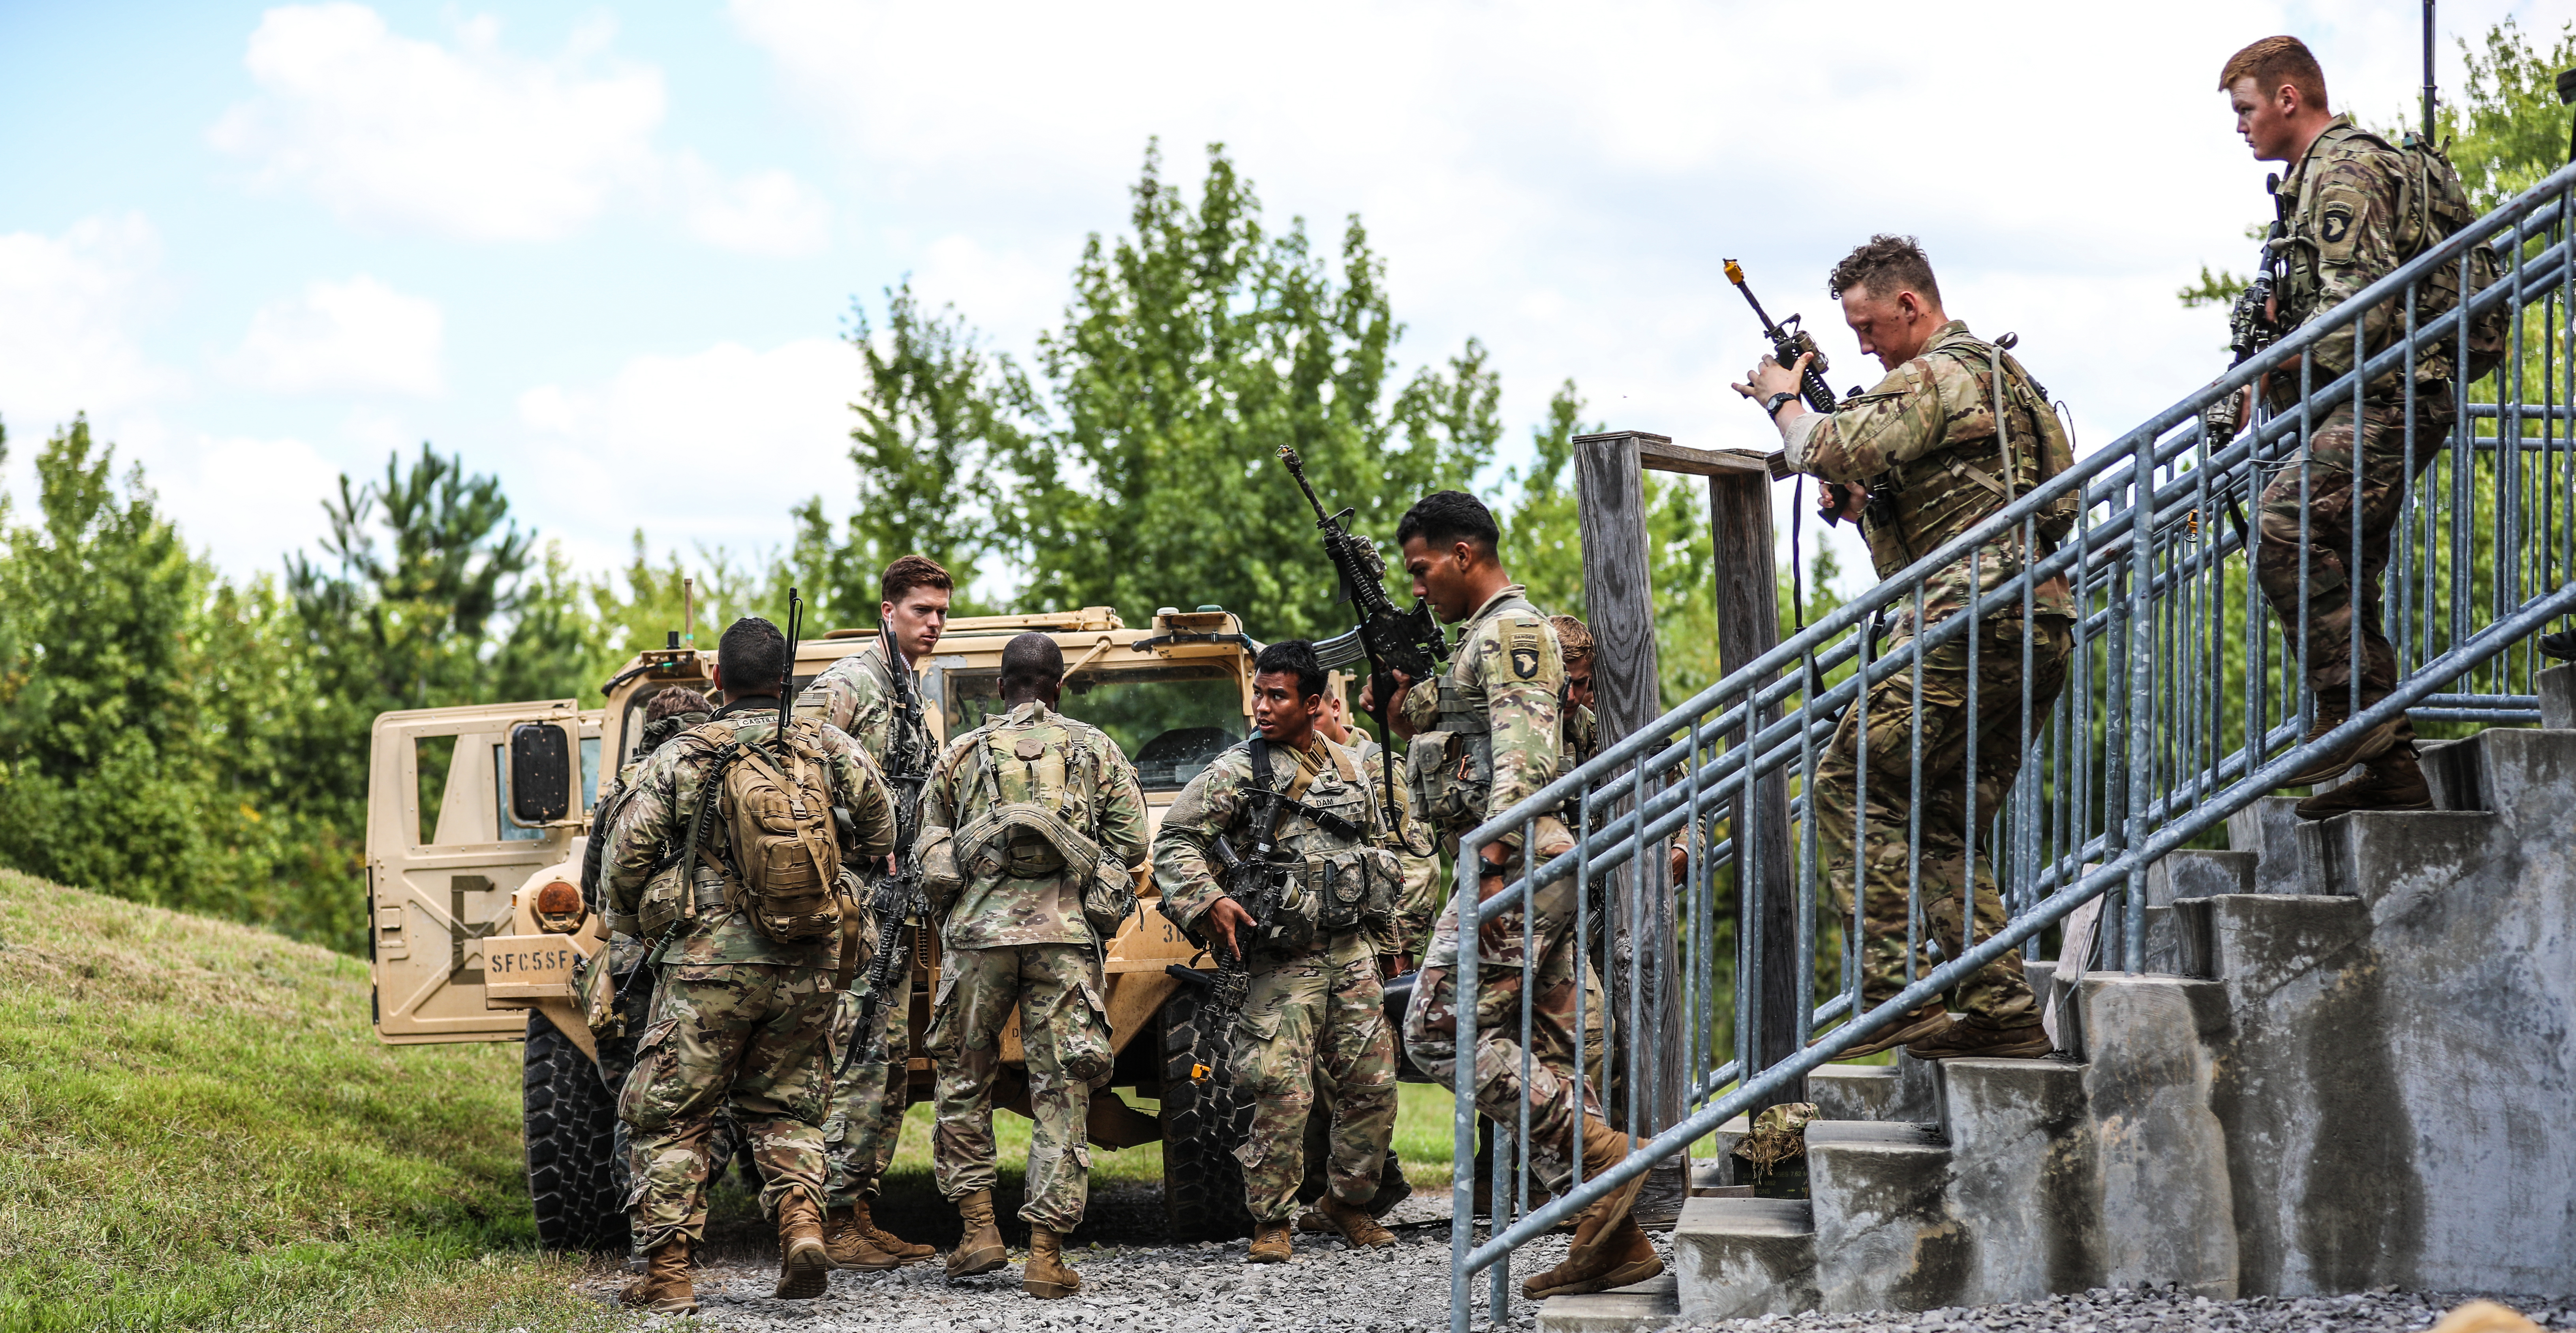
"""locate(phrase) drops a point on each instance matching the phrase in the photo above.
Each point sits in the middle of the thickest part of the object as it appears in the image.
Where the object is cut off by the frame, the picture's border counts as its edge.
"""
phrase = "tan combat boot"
(2393, 781)
(1619, 1256)
(664, 1288)
(1907, 1029)
(847, 1241)
(1975, 1041)
(1356, 1226)
(1603, 1148)
(804, 1262)
(980, 1249)
(1270, 1244)
(903, 1250)
(2368, 746)
(1045, 1275)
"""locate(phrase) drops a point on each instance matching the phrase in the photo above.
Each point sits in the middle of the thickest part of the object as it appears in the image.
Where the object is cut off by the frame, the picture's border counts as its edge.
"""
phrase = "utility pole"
(2428, 72)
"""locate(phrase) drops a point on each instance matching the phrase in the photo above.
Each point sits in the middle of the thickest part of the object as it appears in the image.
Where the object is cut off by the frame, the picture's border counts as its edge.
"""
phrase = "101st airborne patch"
(1525, 646)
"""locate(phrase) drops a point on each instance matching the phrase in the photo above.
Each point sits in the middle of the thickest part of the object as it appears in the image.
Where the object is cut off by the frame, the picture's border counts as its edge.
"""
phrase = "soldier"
(2345, 204)
(747, 962)
(1419, 899)
(1582, 729)
(1485, 736)
(859, 694)
(1924, 441)
(1315, 1008)
(1032, 827)
(668, 712)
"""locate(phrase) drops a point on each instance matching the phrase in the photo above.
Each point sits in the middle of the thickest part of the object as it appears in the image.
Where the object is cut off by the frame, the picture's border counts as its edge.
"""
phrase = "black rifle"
(1406, 641)
(1259, 883)
(898, 896)
(1788, 343)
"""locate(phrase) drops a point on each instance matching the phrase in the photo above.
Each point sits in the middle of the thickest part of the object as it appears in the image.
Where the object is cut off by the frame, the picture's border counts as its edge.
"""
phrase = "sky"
(609, 253)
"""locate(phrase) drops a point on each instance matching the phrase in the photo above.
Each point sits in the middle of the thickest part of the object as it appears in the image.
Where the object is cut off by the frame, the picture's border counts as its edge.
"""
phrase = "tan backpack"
(776, 800)
(2432, 207)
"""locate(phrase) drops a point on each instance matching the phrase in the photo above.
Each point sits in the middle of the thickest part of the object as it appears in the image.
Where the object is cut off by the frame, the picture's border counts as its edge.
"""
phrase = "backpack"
(776, 801)
(2431, 208)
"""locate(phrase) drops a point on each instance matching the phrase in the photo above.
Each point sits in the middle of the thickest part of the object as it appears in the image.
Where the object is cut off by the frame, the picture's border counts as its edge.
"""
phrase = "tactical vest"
(1038, 799)
(1977, 462)
(1451, 766)
(1340, 882)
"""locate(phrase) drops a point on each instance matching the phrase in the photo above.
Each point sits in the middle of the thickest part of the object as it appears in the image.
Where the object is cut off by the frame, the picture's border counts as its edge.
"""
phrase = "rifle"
(1258, 882)
(2250, 326)
(1392, 640)
(1788, 343)
(898, 896)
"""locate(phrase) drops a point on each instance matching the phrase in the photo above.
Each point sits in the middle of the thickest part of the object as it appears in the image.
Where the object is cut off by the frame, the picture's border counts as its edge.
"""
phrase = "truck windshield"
(1170, 721)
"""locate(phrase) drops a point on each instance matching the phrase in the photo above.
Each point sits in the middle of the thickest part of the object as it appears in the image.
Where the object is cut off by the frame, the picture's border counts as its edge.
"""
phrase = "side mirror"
(540, 774)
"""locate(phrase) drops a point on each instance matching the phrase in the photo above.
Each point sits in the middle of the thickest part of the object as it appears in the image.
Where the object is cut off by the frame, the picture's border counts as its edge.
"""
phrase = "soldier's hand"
(1841, 499)
(1770, 377)
(1221, 922)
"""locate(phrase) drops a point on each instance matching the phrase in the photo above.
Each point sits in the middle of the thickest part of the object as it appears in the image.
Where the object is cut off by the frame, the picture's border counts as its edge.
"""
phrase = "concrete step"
(1738, 1258)
(2269, 829)
(2021, 1175)
(1899, 1091)
(2372, 854)
(2557, 687)
(2521, 775)
(1653, 1304)
(1885, 1235)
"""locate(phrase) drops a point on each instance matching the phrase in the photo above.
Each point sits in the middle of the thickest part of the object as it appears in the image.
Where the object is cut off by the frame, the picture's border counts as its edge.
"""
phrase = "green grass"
(204, 1133)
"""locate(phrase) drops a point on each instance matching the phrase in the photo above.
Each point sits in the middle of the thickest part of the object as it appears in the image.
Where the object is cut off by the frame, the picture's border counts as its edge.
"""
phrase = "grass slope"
(204, 1133)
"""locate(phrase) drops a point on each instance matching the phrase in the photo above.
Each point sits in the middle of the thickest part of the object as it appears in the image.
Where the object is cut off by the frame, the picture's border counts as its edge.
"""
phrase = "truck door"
(445, 850)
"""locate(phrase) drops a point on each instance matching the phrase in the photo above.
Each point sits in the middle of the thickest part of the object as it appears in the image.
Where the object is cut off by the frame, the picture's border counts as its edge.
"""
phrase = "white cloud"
(69, 305)
(243, 500)
(760, 213)
(472, 140)
(356, 336)
(710, 447)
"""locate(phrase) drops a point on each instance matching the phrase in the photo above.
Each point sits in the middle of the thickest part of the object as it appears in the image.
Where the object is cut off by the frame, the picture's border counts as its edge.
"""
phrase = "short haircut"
(1886, 265)
(910, 572)
(1573, 639)
(2272, 62)
(1443, 517)
(1295, 657)
(673, 700)
(753, 656)
(1031, 662)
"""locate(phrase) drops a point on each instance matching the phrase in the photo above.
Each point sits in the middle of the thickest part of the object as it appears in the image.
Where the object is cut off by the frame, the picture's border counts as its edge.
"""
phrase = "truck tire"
(571, 1122)
(1203, 1123)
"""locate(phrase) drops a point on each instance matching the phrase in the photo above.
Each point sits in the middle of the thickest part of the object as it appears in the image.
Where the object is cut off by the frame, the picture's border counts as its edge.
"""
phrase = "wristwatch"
(1771, 405)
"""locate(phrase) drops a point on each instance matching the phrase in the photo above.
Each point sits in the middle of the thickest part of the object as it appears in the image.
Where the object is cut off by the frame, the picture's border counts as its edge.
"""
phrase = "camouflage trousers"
(1996, 995)
(1320, 1015)
(2308, 536)
(870, 1096)
(1064, 1028)
(1556, 1098)
(752, 1035)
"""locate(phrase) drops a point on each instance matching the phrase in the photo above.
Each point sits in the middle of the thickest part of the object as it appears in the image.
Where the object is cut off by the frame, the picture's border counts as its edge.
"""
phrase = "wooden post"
(1619, 606)
(1748, 625)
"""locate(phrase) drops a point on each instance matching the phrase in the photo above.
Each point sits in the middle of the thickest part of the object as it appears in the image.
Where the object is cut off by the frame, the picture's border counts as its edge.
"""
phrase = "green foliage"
(208, 1137)
(1193, 349)
(2507, 129)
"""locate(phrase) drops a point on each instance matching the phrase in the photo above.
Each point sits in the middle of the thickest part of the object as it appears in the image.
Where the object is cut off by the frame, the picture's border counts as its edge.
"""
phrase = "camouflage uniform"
(2346, 224)
(1419, 899)
(869, 1097)
(1021, 941)
(1927, 433)
(1487, 735)
(1315, 1008)
(737, 1017)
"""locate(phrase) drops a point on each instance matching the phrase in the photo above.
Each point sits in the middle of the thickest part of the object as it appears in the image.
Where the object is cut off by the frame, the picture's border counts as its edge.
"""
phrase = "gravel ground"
(1206, 1288)
(2152, 1310)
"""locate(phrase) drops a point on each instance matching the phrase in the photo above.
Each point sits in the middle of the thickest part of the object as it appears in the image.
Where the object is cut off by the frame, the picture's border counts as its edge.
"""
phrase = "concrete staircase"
(2352, 1062)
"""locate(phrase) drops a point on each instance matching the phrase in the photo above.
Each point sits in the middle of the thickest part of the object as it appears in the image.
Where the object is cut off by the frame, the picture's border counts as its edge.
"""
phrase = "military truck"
(477, 818)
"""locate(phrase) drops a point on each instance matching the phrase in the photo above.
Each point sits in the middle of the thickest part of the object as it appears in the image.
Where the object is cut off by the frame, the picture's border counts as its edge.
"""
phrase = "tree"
(1193, 349)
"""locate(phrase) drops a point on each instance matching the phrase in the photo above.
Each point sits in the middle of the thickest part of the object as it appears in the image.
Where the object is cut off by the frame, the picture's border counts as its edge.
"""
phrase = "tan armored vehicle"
(477, 819)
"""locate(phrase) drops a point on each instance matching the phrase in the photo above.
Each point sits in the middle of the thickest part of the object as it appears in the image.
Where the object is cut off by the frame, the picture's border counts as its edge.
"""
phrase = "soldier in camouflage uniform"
(1315, 1009)
(2354, 210)
(738, 1016)
(1419, 900)
(1486, 735)
(1026, 823)
(858, 694)
(1926, 439)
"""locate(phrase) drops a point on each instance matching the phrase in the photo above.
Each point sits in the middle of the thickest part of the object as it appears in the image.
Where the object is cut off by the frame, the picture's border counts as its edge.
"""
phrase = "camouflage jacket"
(2349, 225)
(857, 694)
(1101, 801)
(1926, 433)
(1417, 903)
(654, 821)
(1217, 803)
(1487, 731)
(1582, 735)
